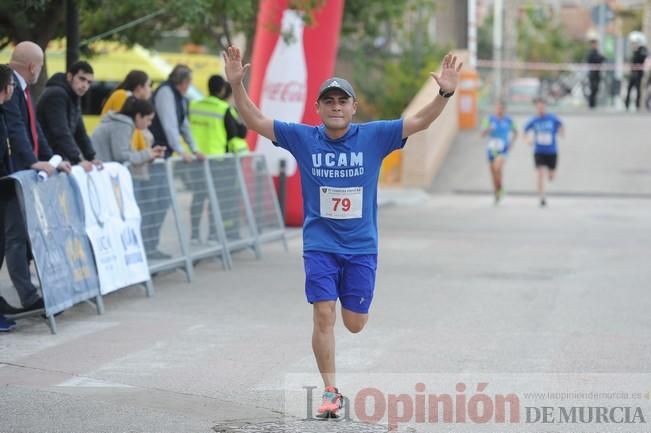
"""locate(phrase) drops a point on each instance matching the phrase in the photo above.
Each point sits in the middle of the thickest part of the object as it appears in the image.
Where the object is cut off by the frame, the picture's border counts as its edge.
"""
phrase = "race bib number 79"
(341, 203)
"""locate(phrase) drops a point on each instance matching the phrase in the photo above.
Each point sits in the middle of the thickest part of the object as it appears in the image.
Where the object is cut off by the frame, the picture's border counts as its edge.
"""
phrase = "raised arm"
(250, 114)
(447, 81)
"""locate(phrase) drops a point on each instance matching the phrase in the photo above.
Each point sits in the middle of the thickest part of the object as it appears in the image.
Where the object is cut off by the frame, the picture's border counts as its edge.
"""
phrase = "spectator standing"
(138, 84)
(218, 131)
(169, 126)
(59, 113)
(595, 59)
(29, 149)
(637, 72)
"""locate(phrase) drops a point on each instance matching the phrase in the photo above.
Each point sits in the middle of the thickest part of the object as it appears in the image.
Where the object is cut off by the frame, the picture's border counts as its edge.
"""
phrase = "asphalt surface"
(512, 295)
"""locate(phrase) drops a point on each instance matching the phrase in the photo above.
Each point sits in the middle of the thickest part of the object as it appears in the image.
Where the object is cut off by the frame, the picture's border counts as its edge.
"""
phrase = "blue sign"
(61, 249)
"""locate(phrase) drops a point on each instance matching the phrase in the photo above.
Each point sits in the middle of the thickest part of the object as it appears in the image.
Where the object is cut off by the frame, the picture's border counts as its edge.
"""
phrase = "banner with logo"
(290, 61)
(62, 254)
(112, 222)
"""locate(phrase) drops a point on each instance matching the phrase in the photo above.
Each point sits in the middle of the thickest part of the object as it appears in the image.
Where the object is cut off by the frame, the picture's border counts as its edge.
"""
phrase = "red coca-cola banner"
(289, 62)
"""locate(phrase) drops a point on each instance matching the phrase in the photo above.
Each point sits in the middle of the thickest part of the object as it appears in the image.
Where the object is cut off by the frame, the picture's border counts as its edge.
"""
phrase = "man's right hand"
(233, 66)
(44, 166)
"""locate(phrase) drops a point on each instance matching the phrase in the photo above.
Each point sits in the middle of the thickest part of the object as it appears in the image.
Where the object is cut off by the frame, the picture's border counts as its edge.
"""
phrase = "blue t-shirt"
(545, 129)
(500, 132)
(339, 181)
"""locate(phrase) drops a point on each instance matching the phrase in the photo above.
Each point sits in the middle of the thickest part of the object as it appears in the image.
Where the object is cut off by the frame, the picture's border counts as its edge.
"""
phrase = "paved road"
(466, 292)
(601, 155)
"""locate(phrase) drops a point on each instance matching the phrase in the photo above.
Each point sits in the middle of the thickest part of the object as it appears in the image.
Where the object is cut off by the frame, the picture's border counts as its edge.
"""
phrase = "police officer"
(637, 72)
(217, 130)
(595, 59)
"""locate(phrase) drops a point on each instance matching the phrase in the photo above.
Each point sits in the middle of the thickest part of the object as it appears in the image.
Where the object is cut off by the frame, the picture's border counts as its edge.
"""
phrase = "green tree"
(388, 38)
(211, 21)
(134, 21)
(541, 38)
(35, 20)
(392, 54)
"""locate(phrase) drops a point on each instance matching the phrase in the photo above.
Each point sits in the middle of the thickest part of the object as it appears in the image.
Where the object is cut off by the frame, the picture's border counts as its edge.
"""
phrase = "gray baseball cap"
(336, 83)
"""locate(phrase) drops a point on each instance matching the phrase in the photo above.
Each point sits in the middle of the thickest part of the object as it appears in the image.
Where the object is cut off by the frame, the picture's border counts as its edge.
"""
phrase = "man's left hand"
(97, 163)
(65, 167)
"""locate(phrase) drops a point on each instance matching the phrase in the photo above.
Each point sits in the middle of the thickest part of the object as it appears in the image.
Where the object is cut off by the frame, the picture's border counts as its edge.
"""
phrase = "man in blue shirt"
(339, 163)
(502, 133)
(542, 131)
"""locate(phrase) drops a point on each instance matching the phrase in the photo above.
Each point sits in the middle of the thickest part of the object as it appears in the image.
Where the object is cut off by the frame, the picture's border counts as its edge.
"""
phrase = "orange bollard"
(468, 89)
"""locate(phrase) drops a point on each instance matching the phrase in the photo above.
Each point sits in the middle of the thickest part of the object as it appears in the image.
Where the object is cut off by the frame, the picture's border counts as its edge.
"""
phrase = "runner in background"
(541, 132)
(502, 133)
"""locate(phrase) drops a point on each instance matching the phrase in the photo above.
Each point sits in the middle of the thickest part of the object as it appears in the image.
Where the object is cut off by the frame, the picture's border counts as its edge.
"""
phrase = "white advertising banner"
(112, 221)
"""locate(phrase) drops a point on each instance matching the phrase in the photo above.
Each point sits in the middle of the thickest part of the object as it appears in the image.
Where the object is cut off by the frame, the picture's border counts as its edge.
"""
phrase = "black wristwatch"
(445, 95)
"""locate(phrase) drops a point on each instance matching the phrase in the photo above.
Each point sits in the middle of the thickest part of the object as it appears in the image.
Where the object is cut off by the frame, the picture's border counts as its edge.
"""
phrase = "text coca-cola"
(285, 91)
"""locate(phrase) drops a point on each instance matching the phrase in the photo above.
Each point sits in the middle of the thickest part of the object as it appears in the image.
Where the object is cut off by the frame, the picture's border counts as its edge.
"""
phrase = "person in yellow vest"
(217, 130)
(138, 84)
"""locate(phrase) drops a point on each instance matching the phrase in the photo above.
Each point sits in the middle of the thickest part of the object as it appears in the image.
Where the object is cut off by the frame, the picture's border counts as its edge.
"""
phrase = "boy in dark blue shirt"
(542, 131)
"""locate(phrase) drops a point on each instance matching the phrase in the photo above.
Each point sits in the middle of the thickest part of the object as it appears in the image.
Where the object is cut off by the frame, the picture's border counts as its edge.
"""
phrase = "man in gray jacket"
(171, 121)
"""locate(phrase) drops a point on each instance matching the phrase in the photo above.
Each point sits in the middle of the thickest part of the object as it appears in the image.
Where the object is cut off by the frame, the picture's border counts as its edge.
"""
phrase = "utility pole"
(72, 33)
(472, 33)
(510, 37)
(498, 11)
(646, 21)
(602, 25)
(451, 23)
(461, 20)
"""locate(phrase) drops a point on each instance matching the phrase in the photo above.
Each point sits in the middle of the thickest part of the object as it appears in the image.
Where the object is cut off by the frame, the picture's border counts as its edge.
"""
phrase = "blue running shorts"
(347, 277)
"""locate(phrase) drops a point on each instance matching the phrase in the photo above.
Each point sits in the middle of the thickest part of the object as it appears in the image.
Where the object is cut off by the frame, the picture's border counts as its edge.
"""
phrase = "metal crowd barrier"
(203, 209)
(203, 235)
(268, 218)
(238, 222)
(164, 245)
(223, 204)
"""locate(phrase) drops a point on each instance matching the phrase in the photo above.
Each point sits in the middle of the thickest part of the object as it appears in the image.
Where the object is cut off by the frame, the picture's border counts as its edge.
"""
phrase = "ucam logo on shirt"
(337, 165)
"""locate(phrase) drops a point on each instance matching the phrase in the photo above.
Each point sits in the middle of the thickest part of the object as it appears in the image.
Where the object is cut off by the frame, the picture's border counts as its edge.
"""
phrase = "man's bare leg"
(541, 185)
(494, 177)
(353, 321)
(323, 340)
(498, 164)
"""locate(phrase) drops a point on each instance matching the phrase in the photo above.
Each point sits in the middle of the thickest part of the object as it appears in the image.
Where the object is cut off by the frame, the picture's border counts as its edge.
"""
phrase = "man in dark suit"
(7, 85)
(29, 150)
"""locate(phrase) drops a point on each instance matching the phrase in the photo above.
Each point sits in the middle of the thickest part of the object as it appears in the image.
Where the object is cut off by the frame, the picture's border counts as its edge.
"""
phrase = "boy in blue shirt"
(542, 131)
(502, 133)
(339, 163)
